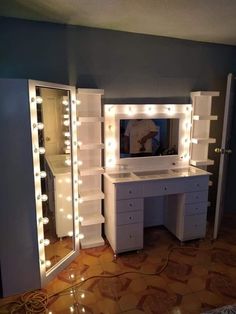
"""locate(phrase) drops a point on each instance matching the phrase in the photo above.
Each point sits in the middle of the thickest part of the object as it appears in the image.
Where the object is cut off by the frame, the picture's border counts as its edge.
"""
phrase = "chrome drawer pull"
(130, 192)
(130, 205)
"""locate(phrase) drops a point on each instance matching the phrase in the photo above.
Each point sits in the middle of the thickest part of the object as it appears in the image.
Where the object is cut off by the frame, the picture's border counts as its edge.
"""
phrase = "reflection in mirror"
(53, 115)
(148, 137)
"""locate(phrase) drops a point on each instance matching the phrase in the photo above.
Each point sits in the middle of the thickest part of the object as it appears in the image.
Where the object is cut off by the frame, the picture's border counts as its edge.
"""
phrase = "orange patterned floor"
(198, 278)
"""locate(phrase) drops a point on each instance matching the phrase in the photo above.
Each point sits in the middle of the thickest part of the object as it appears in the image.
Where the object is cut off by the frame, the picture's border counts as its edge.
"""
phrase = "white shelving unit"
(90, 146)
(201, 119)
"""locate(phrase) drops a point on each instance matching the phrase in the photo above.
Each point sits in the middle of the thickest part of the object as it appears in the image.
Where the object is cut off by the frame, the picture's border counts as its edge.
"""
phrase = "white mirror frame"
(46, 276)
(115, 113)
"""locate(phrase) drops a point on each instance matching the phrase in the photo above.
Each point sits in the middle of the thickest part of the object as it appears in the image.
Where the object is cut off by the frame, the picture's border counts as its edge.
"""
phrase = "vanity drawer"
(162, 187)
(129, 217)
(195, 208)
(126, 191)
(194, 227)
(197, 184)
(196, 197)
(130, 204)
(129, 237)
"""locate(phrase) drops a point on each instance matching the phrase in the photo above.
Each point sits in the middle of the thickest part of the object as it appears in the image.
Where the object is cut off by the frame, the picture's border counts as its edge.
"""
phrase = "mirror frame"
(115, 113)
(47, 275)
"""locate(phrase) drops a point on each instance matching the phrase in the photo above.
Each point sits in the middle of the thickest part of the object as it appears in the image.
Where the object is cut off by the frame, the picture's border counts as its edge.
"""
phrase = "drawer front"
(196, 197)
(162, 187)
(129, 237)
(129, 190)
(130, 204)
(197, 184)
(129, 217)
(194, 227)
(195, 208)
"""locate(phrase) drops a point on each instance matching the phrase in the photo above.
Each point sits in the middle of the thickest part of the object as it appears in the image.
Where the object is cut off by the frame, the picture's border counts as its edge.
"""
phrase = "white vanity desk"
(184, 192)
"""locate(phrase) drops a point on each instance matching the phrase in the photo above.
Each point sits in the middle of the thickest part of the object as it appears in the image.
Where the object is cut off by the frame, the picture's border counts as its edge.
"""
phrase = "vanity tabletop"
(154, 174)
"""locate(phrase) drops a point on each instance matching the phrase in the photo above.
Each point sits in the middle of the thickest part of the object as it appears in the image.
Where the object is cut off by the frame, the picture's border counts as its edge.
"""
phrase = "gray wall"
(130, 67)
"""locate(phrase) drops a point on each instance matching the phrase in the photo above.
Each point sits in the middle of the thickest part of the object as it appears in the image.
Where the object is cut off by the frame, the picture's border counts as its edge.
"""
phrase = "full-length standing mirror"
(54, 144)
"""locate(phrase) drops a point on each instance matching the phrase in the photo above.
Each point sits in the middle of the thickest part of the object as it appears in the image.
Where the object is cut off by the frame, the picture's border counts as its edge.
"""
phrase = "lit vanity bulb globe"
(39, 100)
(65, 102)
(43, 174)
(46, 242)
(70, 233)
(48, 263)
(66, 122)
(67, 142)
(45, 220)
(41, 150)
(78, 102)
(44, 197)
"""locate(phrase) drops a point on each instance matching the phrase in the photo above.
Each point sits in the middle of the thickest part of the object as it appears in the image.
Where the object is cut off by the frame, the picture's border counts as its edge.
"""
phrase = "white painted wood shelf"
(203, 140)
(92, 219)
(198, 163)
(90, 119)
(204, 117)
(91, 195)
(205, 93)
(91, 146)
(91, 171)
(91, 241)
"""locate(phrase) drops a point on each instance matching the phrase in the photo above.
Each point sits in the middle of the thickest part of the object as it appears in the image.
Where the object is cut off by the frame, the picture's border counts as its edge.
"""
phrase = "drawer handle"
(130, 192)
(130, 204)
(130, 236)
(165, 188)
(130, 217)
(198, 185)
(197, 197)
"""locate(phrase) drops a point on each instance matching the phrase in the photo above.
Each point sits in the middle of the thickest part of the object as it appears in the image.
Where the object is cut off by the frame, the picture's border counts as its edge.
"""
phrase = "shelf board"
(204, 117)
(203, 140)
(91, 171)
(91, 195)
(206, 162)
(90, 119)
(90, 91)
(91, 146)
(92, 219)
(205, 93)
(91, 241)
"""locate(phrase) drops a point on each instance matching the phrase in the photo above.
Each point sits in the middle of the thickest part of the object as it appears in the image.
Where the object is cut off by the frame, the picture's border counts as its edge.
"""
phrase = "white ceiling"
(200, 20)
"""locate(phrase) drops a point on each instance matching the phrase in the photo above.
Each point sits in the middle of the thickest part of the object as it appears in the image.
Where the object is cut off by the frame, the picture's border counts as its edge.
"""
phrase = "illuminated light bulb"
(68, 162)
(80, 182)
(48, 263)
(68, 180)
(69, 216)
(78, 123)
(79, 143)
(59, 181)
(43, 174)
(80, 162)
(82, 278)
(78, 102)
(61, 210)
(66, 122)
(81, 236)
(40, 150)
(60, 195)
(45, 242)
(71, 292)
(81, 219)
(82, 295)
(83, 309)
(70, 233)
(67, 134)
(65, 116)
(67, 142)
(39, 126)
(67, 109)
(68, 198)
(39, 100)
(45, 220)
(65, 102)
(71, 309)
(80, 200)
(43, 197)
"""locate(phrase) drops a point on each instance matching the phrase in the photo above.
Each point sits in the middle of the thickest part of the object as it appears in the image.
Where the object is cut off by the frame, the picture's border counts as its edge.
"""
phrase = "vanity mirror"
(54, 144)
(160, 133)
